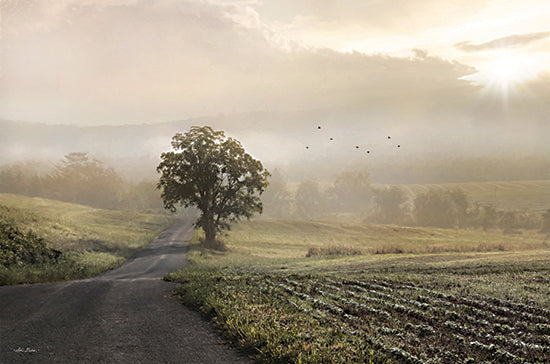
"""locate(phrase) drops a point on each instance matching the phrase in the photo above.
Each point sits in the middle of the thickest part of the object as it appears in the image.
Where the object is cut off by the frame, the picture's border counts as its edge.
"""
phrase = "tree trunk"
(209, 231)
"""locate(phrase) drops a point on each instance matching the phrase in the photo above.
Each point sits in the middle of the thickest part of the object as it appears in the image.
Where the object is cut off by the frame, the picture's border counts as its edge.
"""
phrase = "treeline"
(77, 178)
(351, 193)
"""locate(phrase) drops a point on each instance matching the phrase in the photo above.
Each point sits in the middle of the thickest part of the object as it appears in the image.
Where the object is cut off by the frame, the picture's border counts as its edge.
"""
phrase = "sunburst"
(504, 73)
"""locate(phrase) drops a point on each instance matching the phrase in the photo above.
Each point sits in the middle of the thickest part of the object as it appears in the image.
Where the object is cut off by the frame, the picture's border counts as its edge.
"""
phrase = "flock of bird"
(356, 147)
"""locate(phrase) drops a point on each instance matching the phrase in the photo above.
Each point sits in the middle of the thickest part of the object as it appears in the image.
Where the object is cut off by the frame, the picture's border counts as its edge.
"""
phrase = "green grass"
(375, 293)
(293, 239)
(92, 240)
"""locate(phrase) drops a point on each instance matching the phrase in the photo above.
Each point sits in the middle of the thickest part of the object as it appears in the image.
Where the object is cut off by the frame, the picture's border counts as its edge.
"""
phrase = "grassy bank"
(375, 293)
(91, 240)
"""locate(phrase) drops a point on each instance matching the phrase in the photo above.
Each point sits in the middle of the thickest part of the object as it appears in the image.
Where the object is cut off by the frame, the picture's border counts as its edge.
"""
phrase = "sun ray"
(504, 72)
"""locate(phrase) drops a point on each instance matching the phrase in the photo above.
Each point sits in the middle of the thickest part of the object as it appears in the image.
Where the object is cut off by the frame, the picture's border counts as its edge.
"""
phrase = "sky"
(112, 62)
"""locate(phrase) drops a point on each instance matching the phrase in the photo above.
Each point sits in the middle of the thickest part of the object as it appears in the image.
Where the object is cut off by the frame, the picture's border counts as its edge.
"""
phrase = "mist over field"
(429, 95)
(400, 212)
(426, 153)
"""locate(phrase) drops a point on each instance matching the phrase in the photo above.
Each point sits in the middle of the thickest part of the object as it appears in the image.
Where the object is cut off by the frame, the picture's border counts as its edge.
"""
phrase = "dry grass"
(92, 240)
(293, 239)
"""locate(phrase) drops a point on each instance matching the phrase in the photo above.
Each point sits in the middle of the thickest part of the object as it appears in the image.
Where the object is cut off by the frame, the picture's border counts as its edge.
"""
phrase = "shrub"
(510, 221)
(18, 248)
(333, 250)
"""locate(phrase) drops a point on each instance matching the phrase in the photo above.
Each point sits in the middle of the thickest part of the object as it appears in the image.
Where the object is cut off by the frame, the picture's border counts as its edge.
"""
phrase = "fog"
(293, 144)
(116, 79)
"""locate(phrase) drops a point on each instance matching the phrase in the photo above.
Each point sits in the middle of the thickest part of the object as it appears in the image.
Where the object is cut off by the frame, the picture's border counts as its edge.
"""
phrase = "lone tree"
(212, 172)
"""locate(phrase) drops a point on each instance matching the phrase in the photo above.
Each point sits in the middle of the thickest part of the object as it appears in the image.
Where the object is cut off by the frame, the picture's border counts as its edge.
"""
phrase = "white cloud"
(132, 61)
(510, 41)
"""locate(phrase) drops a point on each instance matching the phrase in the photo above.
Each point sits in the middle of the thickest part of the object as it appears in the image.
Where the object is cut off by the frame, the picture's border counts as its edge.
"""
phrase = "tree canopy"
(85, 180)
(214, 173)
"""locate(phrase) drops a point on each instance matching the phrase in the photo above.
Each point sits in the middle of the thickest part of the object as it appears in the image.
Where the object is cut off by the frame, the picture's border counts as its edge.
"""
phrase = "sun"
(504, 72)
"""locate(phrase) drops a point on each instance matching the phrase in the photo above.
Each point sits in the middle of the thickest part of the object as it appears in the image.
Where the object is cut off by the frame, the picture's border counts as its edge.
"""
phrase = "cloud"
(511, 41)
(394, 16)
(92, 62)
(129, 61)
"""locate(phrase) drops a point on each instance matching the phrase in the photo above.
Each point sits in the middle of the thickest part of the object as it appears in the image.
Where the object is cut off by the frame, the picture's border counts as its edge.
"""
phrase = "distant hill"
(513, 195)
(335, 142)
(132, 148)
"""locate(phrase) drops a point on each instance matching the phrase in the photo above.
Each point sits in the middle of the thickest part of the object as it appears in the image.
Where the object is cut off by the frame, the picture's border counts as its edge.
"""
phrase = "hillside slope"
(91, 240)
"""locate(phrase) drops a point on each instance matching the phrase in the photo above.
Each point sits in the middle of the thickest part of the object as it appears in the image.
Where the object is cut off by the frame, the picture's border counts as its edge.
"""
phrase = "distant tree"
(441, 208)
(13, 180)
(461, 206)
(79, 179)
(391, 205)
(352, 192)
(21, 179)
(277, 197)
(512, 221)
(212, 172)
(308, 200)
(142, 196)
(489, 216)
(509, 221)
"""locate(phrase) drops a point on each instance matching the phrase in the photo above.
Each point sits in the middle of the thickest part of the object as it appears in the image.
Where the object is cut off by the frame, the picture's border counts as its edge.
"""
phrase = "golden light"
(506, 71)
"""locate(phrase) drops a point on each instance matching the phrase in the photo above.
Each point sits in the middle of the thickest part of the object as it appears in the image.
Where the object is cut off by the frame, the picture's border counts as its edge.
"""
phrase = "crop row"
(492, 304)
(350, 323)
(405, 319)
(391, 337)
(438, 317)
(483, 309)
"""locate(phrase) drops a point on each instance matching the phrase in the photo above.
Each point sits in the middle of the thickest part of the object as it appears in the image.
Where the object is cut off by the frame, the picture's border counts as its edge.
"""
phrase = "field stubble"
(464, 303)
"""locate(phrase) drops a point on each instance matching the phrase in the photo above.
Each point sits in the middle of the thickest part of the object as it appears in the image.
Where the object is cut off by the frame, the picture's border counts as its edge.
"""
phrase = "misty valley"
(274, 181)
(334, 269)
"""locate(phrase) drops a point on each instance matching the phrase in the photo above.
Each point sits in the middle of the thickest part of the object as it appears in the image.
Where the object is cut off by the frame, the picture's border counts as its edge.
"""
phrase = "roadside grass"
(91, 240)
(478, 297)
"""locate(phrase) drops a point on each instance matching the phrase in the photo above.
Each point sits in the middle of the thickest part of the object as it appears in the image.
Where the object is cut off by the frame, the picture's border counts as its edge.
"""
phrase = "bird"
(307, 146)
(389, 137)
(356, 147)
(368, 151)
(331, 139)
(319, 127)
(398, 145)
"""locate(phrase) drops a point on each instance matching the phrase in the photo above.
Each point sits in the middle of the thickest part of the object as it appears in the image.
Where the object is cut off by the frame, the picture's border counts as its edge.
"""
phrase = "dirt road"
(124, 316)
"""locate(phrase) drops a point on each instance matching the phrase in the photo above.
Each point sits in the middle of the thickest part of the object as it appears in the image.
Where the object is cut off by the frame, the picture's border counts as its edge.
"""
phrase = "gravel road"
(126, 315)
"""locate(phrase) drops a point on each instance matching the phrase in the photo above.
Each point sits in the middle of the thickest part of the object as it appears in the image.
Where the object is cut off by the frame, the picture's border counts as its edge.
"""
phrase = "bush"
(18, 248)
(333, 250)
(511, 221)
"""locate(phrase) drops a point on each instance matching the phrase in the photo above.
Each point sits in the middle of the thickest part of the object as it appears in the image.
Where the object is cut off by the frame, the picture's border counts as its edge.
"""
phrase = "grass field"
(92, 240)
(375, 293)
(509, 195)
(529, 196)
